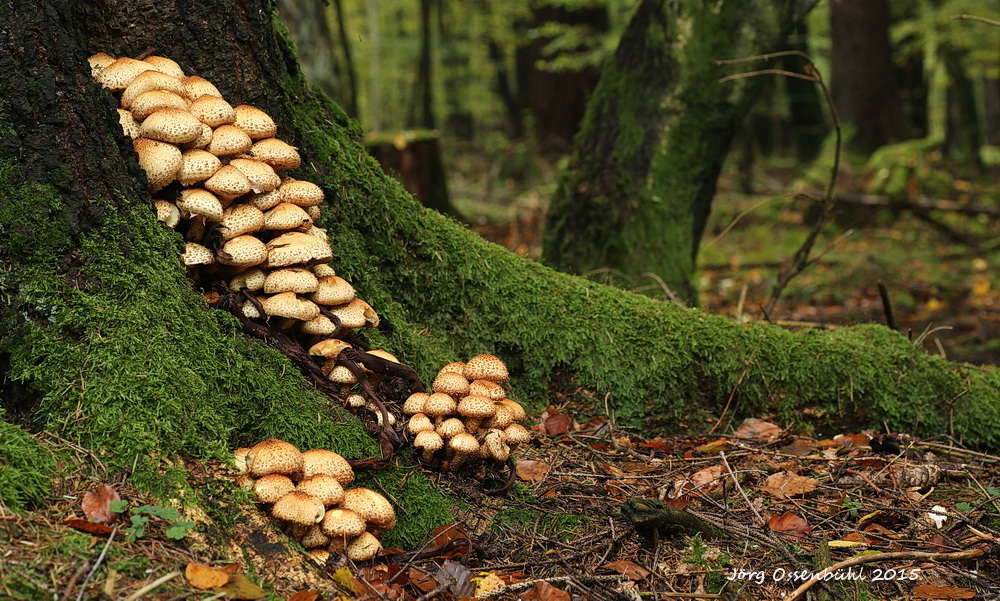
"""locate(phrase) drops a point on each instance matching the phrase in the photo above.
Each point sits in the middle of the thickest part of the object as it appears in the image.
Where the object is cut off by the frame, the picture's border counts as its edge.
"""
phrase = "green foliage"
(173, 526)
(25, 468)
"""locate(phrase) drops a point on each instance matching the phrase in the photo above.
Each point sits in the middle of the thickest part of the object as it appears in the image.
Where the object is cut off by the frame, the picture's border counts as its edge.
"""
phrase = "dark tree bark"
(862, 79)
(638, 191)
(112, 348)
(962, 127)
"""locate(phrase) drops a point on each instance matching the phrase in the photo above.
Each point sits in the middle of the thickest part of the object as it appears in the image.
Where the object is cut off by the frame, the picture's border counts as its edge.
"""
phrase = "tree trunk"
(862, 80)
(104, 341)
(633, 203)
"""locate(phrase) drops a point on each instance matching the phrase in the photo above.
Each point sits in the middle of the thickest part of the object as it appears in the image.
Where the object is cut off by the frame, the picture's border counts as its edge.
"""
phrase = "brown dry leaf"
(930, 591)
(532, 471)
(707, 476)
(630, 570)
(304, 596)
(240, 587)
(205, 577)
(659, 443)
(444, 534)
(96, 504)
(799, 448)
(850, 440)
(422, 580)
(553, 423)
(88, 527)
(758, 428)
(711, 448)
(543, 591)
(789, 522)
(786, 485)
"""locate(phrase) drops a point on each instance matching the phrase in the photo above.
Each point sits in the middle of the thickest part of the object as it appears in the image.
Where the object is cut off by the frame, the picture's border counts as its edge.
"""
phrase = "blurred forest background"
(477, 107)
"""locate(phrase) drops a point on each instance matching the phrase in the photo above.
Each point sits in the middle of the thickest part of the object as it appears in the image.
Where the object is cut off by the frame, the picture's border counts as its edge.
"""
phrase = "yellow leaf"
(205, 577)
(845, 543)
(240, 587)
(490, 583)
(345, 578)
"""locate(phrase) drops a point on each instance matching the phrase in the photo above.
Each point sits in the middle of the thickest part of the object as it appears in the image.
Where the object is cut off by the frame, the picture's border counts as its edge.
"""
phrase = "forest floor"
(593, 512)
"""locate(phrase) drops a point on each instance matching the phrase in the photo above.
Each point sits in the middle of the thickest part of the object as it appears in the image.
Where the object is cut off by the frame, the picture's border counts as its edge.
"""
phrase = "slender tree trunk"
(634, 200)
(862, 78)
(111, 348)
(962, 131)
(349, 69)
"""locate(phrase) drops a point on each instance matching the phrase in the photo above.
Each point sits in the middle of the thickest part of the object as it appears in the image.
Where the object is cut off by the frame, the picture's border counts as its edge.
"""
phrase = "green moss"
(25, 469)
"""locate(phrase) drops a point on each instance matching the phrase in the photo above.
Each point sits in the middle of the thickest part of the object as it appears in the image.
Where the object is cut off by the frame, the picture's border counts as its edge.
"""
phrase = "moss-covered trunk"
(103, 340)
(633, 203)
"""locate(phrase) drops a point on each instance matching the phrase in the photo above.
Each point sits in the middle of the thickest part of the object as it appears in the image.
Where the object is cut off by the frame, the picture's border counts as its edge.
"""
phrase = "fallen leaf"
(240, 587)
(96, 504)
(421, 579)
(205, 577)
(88, 527)
(345, 578)
(849, 440)
(532, 471)
(630, 570)
(759, 429)
(659, 443)
(553, 422)
(707, 476)
(785, 485)
(799, 448)
(444, 534)
(489, 583)
(789, 522)
(716, 446)
(455, 578)
(930, 591)
(543, 591)
(304, 596)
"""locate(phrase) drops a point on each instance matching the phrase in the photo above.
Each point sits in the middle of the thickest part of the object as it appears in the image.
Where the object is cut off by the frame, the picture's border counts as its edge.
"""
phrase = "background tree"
(106, 343)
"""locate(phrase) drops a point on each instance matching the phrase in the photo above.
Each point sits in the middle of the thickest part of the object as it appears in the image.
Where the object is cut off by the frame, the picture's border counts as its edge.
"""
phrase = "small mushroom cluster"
(306, 490)
(215, 172)
(468, 414)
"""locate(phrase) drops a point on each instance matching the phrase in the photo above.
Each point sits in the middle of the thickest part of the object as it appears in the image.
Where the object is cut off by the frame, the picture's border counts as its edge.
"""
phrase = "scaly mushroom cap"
(304, 194)
(320, 556)
(318, 326)
(265, 200)
(295, 247)
(316, 232)
(429, 442)
(228, 183)
(262, 177)
(310, 537)
(324, 487)
(272, 487)
(463, 445)
(154, 100)
(355, 314)
(249, 279)
(197, 87)
(276, 153)
(494, 447)
(197, 166)
(419, 422)
(486, 367)
(175, 126)
(450, 428)
(314, 214)
(196, 254)
(415, 403)
(364, 547)
(298, 507)
(516, 410)
(290, 279)
(357, 401)
(456, 367)
(212, 111)
(323, 270)
(202, 141)
(245, 481)
(240, 219)
(287, 304)
(501, 419)
(159, 160)
(273, 456)
(120, 73)
(196, 202)
(255, 122)
(147, 81)
(439, 405)
(373, 507)
(167, 212)
(243, 251)
(338, 373)
(249, 309)
(228, 140)
(516, 434)
(129, 125)
(329, 348)
(381, 354)
(286, 216)
(322, 461)
(475, 409)
(99, 61)
(240, 459)
(333, 290)
(451, 384)
(342, 523)
(165, 65)
(490, 390)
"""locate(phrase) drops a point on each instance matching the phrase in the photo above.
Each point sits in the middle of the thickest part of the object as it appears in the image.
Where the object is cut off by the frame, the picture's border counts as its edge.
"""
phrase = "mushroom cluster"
(306, 490)
(467, 414)
(216, 174)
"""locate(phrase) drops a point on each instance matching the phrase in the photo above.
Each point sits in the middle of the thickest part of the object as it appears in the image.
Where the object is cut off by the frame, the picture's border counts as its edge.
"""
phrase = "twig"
(743, 374)
(975, 18)
(100, 558)
(901, 556)
(528, 584)
(887, 306)
(153, 584)
(739, 487)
